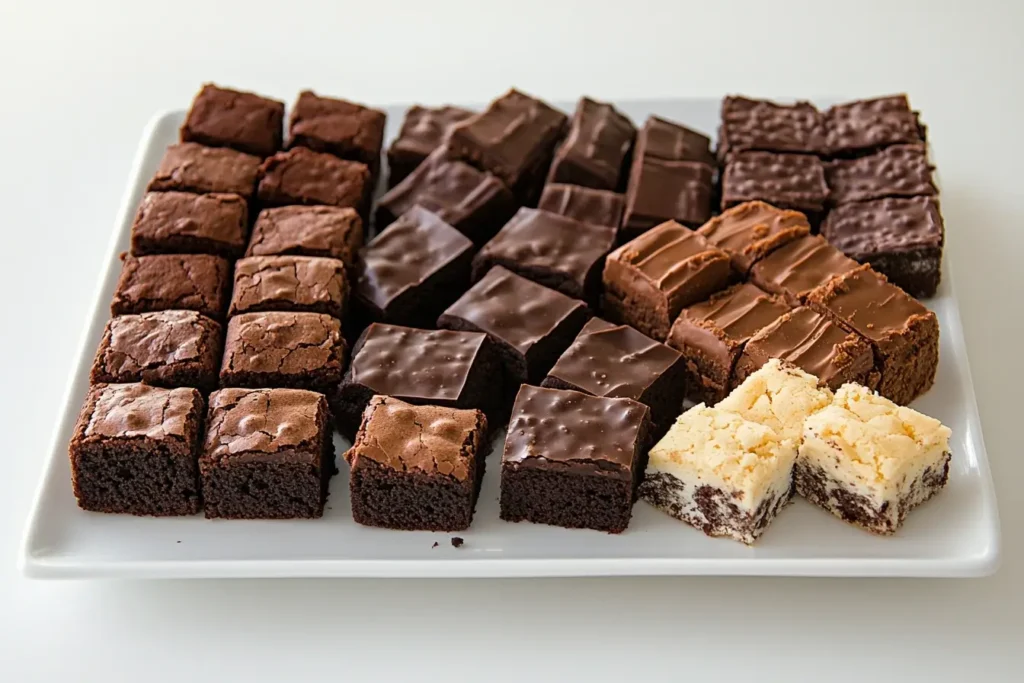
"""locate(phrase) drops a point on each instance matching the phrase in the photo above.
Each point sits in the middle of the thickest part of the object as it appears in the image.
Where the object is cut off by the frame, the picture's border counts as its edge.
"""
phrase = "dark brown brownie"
(814, 343)
(290, 283)
(596, 148)
(649, 280)
(162, 348)
(661, 190)
(307, 231)
(283, 349)
(761, 125)
(417, 467)
(344, 129)
(905, 334)
(436, 367)
(190, 282)
(668, 140)
(573, 460)
(473, 202)
(231, 118)
(190, 167)
(585, 204)
(514, 138)
(900, 238)
(787, 181)
(552, 250)
(412, 271)
(750, 231)
(711, 335)
(896, 171)
(186, 223)
(135, 450)
(855, 128)
(268, 454)
(302, 176)
(423, 131)
(531, 324)
(616, 361)
(796, 268)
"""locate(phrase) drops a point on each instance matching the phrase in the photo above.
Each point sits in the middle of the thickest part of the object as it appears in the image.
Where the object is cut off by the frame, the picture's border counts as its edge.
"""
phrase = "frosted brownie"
(423, 131)
(796, 268)
(600, 207)
(780, 396)
(752, 230)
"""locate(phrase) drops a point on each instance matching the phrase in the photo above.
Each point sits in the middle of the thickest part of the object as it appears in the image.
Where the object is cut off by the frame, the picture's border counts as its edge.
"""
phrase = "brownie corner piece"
(220, 117)
(135, 450)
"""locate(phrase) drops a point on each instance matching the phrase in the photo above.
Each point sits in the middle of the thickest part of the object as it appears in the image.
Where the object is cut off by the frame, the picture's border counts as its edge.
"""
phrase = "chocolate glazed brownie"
(423, 131)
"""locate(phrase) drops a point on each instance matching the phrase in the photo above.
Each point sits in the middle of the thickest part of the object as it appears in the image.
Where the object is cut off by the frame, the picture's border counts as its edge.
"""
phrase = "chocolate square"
(869, 125)
(661, 190)
(290, 283)
(585, 204)
(231, 118)
(190, 167)
(896, 171)
(186, 223)
(762, 125)
(663, 139)
(596, 148)
(750, 231)
(796, 268)
(787, 181)
(423, 131)
(307, 231)
(302, 176)
(344, 129)
(162, 282)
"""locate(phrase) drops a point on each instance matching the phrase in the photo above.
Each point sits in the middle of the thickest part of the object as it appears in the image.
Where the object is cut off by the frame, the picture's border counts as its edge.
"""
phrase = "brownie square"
(344, 129)
(436, 367)
(472, 201)
(896, 171)
(531, 324)
(752, 230)
(905, 334)
(762, 125)
(616, 361)
(514, 138)
(552, 250)
(231, 118)
(585, 204)
(162, 348)
(190, 167)
(649, 280)
(186, 223)
(661, 190)
(596, 149)
(796, 268)
(417, 467)
(283, 349)
(290, 283)
(573, 460)
(302, 176)
(423, 131)
(787, 181)
(855, 128)
(668, 140)
(711, 335)
(268, 454)
(135, 450)
(190, 282)
(900, 238)
(307, 231)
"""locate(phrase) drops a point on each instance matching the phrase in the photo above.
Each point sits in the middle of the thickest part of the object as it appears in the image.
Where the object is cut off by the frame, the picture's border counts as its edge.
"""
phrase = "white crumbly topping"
(780, 396)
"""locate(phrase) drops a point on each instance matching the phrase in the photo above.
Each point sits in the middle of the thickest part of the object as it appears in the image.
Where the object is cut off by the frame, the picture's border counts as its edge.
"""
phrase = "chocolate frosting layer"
(749, 124)
(792, 180)
(191, 167)
(796, 268)
(896, 171)
(302, 176)
(862, 230)
(296, 280)
(663, 139)
(598, 141)
(870, 124)
(283, 342)
(126, 411)
(307, 231)
(424, 129)
(599, 207)
(752, 230)
(266, 425)
(661, 189)
(220, 217)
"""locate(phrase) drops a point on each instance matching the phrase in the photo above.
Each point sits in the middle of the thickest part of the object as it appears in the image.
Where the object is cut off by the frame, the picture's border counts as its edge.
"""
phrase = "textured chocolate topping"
(613, 360)
(268, 425)
(191, 167)
(302, 176)
(791, 180)
(424, 129)
(415, 364)
(749, 231)
(662, 139)
(194, 282)
(219, 217)
(796, 268)
(871, 124)
(598, 141)
(585, 204)
(864, 229)
(339, 127)
(661, 190)
(762, 125)
(129, 411)
(148, 341)
(553, 425)
(408, 437)
(896, 171)
(307, 231)
(283, 342)
(298, 281)
(231, 118)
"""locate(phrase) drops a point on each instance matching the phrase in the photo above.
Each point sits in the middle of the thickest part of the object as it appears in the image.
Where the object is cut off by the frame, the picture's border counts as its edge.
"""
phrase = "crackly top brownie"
(190, 167)
(192, 282)
(866, 125)
(761, 125)
(307, 231)
(585, 204)
(339, 127)
(423, 131)
(796, 268)
(752, 230)
(220, 117)
(788, 181)
(896, 171)
(595, 148)
(289, 283)
(186, 223)
(302, 176)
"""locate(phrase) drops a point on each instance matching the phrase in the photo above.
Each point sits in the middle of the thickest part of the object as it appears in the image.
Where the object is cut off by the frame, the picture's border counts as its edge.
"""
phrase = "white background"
(79, 80)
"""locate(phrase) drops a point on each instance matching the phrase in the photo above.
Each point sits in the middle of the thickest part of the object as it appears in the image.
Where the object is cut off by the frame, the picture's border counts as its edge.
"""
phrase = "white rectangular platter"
(956, 534)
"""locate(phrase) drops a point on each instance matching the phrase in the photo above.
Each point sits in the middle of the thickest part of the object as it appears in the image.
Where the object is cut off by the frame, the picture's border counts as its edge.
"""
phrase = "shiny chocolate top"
(598, 141)
(896, 171)
(863, 230)
(796, 268)
(585, 204)
(749, 124)
(752, 230)
(871, 124)
(790, 180)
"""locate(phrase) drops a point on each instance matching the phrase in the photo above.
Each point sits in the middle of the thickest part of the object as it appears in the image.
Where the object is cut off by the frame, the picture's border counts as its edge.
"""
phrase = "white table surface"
(80, 81)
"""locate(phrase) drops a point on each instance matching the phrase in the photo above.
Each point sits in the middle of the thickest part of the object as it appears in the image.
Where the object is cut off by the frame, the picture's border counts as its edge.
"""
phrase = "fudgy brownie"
(339, 127)
(905, 334)
(135, 450)
(596, 148)
(573, 460)
(290, 283)
(283, 349)
(231, 118)
(190, 282)
(616, 361)
(761, 125)
(436, 367)
(412, 271)
(900, 238)
(531, 324)
(869, 125)
(472, 201)
(307, 231)
(417, 467)
(191, 167)
(710, 336)
(268, 454)
(661, 190)
(302, 176)
(585, 204)
(552, 250)
(752, 230)
(162, 348)
(796, 268)
(186, 223)
(423, 131)
(663, 139)
(896, 171)
(788, 181)
(649, 280)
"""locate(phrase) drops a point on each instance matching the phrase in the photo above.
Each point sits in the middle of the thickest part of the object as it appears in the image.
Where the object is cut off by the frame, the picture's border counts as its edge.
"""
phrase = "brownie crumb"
(435, 545)
(456, 542)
